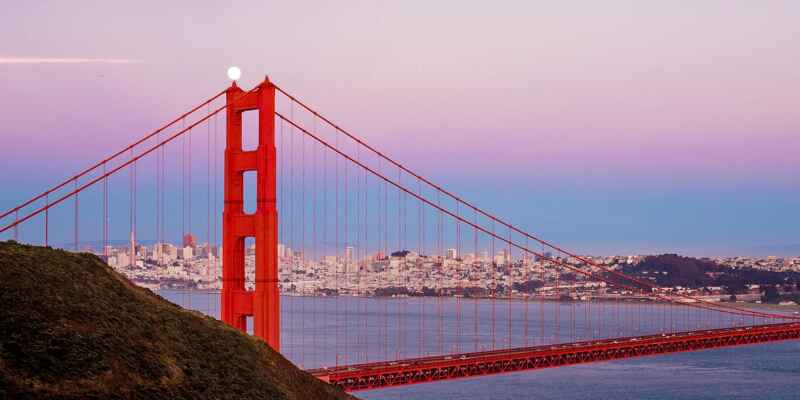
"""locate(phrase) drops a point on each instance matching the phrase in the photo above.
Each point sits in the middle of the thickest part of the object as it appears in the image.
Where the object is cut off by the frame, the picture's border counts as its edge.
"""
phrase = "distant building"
(351, 268)
(502, 257)
(281, 250)
(186, 253)
(170, 252)
(165, 253)
(123, 260)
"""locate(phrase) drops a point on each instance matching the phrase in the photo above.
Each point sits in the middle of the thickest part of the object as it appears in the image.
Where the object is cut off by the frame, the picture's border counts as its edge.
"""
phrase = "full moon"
(234, 73)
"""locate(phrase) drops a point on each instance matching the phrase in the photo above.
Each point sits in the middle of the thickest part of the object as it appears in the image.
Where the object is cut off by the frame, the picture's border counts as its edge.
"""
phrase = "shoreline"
(532, 299)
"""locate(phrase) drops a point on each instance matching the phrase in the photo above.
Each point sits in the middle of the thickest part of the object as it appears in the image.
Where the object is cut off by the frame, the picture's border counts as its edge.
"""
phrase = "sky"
(610, 127)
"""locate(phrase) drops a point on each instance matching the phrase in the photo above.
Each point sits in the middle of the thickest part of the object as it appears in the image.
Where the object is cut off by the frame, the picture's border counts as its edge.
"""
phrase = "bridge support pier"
(263, 303)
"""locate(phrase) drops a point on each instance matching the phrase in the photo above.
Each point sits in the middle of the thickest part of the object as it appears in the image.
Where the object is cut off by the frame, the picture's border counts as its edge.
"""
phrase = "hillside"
(669, 270)
(72, 328)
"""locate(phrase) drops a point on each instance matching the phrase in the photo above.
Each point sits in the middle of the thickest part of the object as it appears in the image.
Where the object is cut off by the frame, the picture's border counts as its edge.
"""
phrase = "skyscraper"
(452, 254)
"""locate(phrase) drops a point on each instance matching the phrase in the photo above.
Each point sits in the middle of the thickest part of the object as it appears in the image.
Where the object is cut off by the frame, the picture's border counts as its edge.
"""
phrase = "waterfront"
(762, 371)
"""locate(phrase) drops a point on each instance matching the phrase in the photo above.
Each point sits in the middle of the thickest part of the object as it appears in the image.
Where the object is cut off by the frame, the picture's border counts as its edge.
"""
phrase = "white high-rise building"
(122, 260)
(186, 253)
(452, 254)
(351, 268)
(502, 257)
(170, 252)
(281, 250)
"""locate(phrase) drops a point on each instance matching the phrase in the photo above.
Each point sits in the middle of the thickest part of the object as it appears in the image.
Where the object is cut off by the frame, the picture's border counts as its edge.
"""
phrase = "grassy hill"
(72, 328)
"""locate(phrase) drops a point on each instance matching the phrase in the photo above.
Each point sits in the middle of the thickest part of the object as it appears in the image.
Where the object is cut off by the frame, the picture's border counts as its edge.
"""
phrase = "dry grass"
(72, 328)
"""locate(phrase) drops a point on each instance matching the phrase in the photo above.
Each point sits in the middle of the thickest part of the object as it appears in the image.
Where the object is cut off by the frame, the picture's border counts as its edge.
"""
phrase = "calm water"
(369, 331)
(770, 371)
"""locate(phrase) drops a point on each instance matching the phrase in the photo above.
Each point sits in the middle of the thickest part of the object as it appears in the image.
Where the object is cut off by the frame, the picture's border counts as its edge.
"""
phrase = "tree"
(734, 286)
(771, 295)
(527, 286)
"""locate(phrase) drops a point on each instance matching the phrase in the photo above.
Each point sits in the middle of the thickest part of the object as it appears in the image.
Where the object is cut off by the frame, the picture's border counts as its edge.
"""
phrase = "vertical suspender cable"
(541, 301)
(387, 255)
(208, 196)
(365, 260)
(440, 294)
(216, 206)
(134, 216)
(494, 289)
(421, 250)
(159, 214)
(572, 312)
(189, 183)
(347, 259)
(507, 287)
(338, 248)
(291, 226)
(183, 183)
(303, 258)
(457, 260)
(76, 214)
(400, 275)
(316, 257)
(526, 279)
(557, 310)
(105, 213)
(131, 250)
(46, 220)
(475, 264)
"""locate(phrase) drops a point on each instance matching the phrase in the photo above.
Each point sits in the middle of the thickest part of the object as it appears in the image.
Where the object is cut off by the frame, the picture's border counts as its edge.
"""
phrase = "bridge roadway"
(430, 369)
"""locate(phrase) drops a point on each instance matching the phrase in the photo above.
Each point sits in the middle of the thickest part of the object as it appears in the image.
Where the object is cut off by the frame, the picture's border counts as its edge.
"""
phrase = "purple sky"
(664, 126)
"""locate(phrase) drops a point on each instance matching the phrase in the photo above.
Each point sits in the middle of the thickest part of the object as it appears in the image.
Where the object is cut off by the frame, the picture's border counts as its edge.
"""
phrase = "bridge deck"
(430, 369)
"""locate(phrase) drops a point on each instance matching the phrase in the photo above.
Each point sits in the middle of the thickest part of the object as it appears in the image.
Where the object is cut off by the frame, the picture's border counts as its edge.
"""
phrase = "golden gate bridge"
(358, 220)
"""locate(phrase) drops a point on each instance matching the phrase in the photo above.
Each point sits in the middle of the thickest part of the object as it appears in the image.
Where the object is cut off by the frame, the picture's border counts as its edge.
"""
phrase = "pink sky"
(654, 94)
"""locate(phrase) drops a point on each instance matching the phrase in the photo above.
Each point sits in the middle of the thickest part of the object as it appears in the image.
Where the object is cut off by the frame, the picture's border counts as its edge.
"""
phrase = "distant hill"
(675, 270)
(72, 328)
(669, 270)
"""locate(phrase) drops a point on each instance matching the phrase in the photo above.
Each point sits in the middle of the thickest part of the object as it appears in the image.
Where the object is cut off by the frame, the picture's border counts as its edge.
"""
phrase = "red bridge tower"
(237, 302)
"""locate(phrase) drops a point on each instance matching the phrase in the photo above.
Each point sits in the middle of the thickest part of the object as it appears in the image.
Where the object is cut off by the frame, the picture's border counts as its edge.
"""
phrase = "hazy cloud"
(31, 60)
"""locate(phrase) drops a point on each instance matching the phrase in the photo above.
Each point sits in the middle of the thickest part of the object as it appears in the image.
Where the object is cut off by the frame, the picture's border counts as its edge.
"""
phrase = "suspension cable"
(512, 243)
(508, 225)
